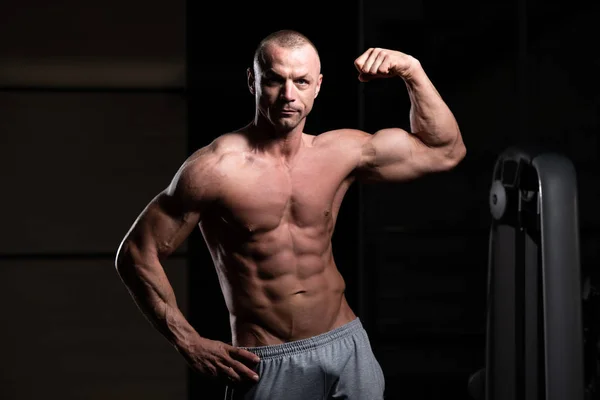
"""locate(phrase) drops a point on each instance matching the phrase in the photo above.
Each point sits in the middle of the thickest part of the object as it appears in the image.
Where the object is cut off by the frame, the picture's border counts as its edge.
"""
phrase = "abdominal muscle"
(279, 286)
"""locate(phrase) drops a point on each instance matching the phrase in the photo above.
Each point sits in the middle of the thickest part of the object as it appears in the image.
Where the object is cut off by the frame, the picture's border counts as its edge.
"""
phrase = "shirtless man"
(266, 198)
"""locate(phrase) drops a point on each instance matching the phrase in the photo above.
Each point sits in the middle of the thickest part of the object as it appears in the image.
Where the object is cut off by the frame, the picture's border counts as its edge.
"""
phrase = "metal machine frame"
(534, 341)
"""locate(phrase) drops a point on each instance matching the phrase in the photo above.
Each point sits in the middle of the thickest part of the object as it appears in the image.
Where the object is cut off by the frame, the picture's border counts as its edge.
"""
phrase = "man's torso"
(269, 235)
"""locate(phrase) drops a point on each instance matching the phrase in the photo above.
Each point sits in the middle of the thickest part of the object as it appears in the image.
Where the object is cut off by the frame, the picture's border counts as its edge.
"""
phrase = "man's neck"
(281, 145)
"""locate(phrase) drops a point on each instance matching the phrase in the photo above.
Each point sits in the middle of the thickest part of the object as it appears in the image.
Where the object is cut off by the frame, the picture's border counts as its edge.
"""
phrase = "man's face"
(285, 84)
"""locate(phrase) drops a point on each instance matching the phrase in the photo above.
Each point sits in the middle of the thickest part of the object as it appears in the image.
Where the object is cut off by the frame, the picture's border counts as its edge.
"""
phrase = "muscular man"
(266, 198)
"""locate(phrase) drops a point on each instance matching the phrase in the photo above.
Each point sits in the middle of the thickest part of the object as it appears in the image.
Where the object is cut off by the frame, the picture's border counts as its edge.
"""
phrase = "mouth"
(287, 112)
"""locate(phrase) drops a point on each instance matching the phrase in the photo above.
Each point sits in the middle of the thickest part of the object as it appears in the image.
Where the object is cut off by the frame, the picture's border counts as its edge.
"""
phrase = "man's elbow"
(460, 153)
(455, 155)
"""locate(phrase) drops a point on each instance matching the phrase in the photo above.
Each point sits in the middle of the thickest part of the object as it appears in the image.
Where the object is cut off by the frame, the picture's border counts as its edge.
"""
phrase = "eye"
(272, 80)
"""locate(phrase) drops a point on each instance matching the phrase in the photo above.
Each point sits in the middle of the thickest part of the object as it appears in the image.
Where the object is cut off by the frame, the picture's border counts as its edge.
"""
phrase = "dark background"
(101, 101)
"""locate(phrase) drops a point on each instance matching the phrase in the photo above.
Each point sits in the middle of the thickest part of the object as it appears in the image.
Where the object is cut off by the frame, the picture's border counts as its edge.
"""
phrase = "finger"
(243, 355)
(376, 66)
(385, 66)
(383, 63)
(370, 60)
(228, 372)
(360, 61)
(243, 371)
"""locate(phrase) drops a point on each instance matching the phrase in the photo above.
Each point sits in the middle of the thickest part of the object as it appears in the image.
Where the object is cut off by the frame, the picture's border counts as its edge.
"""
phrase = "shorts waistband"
(297, 346)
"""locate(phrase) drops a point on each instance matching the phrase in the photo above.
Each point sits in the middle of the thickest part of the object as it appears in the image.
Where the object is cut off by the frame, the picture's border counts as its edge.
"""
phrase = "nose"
(288, 91)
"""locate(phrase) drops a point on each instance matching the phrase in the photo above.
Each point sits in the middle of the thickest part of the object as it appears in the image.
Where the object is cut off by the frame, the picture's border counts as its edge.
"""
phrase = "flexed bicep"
(394, 155)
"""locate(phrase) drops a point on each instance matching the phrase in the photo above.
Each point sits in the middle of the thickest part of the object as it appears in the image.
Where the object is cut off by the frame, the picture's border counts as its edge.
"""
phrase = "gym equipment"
(534, 332)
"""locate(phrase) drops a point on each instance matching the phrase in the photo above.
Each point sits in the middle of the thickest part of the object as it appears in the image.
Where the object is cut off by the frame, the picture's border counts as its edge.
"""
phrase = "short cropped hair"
(286, 38)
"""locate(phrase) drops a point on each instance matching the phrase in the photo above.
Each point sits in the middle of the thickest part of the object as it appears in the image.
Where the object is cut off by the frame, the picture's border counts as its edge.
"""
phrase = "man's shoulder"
(222, 144)
(205, 160)
(232, 142)
(341, 138)
(202, 172)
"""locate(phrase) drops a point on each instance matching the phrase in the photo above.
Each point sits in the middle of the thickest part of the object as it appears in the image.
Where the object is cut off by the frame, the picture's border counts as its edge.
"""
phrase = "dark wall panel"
(81, 154)
(81, 166)
(71, 331)
(116, 44)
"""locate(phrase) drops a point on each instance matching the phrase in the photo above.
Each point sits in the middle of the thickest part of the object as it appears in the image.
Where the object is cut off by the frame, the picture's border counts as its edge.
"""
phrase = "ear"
(318, 88)
(251, 80)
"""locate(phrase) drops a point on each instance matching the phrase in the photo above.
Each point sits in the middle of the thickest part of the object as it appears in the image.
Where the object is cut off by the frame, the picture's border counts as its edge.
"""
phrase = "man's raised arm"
(434, 143)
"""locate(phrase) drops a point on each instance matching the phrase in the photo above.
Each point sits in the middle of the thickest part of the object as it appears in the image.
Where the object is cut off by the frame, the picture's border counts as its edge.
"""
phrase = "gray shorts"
(338, 364)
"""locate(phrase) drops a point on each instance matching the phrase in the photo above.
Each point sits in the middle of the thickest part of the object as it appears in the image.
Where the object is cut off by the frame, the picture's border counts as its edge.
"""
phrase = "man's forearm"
(154, 296)
(430, 118)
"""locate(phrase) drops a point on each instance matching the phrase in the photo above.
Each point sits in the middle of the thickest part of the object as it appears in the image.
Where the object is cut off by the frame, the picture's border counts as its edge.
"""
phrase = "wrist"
(411, 70)
(179, 331)
(188, 344)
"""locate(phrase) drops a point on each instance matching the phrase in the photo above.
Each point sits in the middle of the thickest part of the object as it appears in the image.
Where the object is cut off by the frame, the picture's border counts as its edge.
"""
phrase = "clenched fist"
(383, 63)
